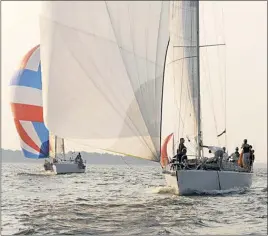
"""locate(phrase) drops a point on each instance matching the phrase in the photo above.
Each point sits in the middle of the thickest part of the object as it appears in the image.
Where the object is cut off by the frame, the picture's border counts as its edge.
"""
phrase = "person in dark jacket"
(181, 146)
(246, 154)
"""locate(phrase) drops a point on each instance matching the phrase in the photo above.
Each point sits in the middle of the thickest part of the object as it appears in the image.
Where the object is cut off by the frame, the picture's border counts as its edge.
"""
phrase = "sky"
(243, 27)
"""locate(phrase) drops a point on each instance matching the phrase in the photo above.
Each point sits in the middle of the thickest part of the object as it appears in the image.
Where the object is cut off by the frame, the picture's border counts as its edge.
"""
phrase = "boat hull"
(67, 168)
(204, 181)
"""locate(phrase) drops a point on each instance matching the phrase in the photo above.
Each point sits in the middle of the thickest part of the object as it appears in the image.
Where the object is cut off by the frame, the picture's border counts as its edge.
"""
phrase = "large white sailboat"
(104, 68)
(197, 175)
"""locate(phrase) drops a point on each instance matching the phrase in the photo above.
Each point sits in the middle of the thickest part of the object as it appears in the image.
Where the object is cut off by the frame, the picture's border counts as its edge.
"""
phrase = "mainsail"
(27, 108)
(181, 74)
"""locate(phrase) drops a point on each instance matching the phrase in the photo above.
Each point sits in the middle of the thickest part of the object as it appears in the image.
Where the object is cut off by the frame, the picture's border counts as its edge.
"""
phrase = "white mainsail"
(181, 74)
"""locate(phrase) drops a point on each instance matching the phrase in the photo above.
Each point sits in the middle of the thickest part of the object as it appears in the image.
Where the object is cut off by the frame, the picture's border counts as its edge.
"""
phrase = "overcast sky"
(245, 32)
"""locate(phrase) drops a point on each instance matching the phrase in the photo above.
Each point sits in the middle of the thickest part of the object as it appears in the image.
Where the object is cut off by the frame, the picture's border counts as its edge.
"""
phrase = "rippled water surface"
(122, 200)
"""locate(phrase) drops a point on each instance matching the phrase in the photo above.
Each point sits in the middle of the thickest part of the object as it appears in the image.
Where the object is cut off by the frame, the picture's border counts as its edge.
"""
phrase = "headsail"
(27, 108)
(103, 67)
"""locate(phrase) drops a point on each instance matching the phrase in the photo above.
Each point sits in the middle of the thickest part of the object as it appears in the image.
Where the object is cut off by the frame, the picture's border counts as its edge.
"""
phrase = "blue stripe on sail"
(32, 155)
(43, 135)
(27, 78)
(45, 148)
(41, 131)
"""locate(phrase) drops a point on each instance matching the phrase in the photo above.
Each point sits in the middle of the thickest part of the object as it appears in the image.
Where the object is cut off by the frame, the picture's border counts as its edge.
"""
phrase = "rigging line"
(225, 84)
(223, 87)
(208, 93)
(192, 148)
(179, 59)
(182, 72)
(111, 152)
(122, 158)
(162, 97)
(186, 107)
(175, 99)
(209, 80)
(210, 98)
(140, 136)
(201, 46)
(174, 92)
(188, 90)
(163, 75)
(180, 116)
(219, 64)
(181, 89)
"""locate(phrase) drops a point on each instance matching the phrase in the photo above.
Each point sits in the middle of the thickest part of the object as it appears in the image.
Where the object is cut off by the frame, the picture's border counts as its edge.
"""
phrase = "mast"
(173, 146)
(198, 83)
(63, 149)
(55, 146)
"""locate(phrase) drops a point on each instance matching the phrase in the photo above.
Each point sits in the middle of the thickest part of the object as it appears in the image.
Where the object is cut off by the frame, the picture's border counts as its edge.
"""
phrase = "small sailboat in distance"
(104, 74)
(27, 108)
(60, 163)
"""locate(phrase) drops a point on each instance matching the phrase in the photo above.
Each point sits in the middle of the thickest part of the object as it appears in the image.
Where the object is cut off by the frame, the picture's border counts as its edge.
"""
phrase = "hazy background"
(243, 28)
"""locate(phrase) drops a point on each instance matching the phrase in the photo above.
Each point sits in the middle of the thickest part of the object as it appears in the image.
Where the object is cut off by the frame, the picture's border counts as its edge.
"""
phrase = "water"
(118, 200)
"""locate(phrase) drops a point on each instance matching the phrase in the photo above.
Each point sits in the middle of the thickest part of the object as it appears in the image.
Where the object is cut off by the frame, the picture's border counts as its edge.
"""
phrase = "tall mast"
(63, 149)
(198, 83)
(55, 146)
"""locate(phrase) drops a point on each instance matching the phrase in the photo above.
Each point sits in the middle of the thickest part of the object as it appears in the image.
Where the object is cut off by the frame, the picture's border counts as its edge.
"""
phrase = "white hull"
(204, 181)
(67, 168)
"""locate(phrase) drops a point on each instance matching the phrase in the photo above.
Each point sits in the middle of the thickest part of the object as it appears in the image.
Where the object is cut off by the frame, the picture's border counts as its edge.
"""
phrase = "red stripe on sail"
(27, 57)
(25, 137)
(27, 112)
(164, 155)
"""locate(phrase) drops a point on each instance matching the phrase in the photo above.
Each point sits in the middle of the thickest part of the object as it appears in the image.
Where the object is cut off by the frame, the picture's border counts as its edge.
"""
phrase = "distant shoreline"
(10, 156)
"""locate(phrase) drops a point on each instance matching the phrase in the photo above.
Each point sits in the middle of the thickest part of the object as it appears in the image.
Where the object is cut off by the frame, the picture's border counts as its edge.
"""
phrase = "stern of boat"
(68, 168)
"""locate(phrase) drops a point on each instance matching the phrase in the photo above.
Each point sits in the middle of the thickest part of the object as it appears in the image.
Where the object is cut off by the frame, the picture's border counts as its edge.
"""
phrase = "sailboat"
(60, 164)
(26, 105)
(104, 67)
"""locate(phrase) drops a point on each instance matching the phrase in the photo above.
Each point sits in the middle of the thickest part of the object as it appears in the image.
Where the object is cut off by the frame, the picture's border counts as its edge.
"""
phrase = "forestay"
(102, 67)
